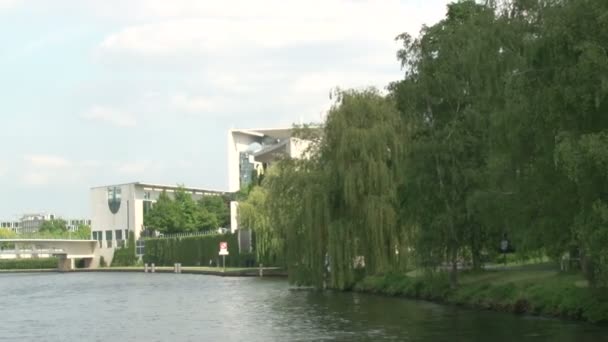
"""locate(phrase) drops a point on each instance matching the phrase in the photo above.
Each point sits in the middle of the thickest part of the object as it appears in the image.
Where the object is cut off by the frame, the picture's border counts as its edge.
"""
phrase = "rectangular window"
(118, 235)
(109, 238)
(139, 247)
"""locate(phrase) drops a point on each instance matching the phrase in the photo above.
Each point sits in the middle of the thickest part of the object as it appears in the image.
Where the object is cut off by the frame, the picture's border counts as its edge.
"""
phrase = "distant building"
(251, 151)
(72, 224)
(11, 225)
(31, 223)
(119, 209)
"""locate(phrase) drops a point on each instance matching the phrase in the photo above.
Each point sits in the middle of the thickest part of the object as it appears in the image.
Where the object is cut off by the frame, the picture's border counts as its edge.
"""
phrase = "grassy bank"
(531, 289)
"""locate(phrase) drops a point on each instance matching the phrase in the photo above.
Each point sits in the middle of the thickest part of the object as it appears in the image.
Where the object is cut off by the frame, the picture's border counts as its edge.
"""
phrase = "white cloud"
(198, 28)
(110, 116)
(46, 161)
(192, 104)
(34, 178)
(5, 4)
(134, 168)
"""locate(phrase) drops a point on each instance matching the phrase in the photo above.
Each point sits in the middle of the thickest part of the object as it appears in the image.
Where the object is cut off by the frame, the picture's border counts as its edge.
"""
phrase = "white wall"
(102, 218)
(234, 223)
(297, 147)
(237, 142)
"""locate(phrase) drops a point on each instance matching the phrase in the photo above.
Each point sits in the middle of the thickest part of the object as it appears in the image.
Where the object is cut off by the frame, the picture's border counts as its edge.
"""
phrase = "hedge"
(195, 251)
(125, 256)
(28, 264)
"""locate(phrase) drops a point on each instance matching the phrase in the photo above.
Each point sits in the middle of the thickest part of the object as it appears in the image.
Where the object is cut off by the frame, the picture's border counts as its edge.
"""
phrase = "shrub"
(28, 264)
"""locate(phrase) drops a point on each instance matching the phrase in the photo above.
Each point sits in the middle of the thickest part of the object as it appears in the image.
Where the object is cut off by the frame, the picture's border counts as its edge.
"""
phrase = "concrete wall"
(237, 142)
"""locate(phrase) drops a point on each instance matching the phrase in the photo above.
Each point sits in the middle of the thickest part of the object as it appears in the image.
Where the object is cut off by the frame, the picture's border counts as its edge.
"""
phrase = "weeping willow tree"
(334, 211)
(359, 155)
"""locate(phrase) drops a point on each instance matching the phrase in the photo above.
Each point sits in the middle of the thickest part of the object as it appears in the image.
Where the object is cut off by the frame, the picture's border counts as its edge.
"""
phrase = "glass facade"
(109, 238)
(246, 169)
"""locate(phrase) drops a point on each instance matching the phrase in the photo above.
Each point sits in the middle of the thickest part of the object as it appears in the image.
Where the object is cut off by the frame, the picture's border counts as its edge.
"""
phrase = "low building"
(31, 223)
(119, 209)
(72, 224)
(10, 225)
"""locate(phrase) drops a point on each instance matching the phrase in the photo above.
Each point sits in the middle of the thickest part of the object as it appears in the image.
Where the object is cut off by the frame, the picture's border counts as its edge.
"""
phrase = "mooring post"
(153, 268)
(261, 270)
(146, 268)
(179, 267)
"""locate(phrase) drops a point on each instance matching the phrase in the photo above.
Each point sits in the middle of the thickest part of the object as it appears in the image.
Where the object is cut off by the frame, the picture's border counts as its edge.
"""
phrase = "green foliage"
(218, 206)
(183, 214)
(554, 295)
(83, 232)
(28, 264)
(6, 233)
(126, 256)
(56, 226)
(194, 251)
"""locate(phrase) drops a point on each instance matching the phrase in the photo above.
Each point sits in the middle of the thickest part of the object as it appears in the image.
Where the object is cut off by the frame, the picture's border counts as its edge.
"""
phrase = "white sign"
(223, 248)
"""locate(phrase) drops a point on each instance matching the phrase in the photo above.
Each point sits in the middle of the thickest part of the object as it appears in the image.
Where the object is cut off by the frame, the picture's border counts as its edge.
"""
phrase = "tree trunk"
(454, 271)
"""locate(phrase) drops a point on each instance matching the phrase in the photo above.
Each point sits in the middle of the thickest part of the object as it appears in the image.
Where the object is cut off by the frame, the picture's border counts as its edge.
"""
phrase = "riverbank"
(229, 272)
(532, 289)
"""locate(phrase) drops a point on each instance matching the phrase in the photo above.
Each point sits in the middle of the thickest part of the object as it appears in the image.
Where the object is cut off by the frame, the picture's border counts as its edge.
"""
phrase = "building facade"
(10, 225)
(251, 151)
(118, 210)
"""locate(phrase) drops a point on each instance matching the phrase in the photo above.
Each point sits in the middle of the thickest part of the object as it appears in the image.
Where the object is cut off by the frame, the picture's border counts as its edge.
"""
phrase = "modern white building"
(119, 209)
(253, 150)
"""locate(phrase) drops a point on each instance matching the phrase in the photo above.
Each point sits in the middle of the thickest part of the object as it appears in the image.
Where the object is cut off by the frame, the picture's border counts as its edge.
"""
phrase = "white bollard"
(179, 267)
(153, 268)
(146, 268)
(261, 270)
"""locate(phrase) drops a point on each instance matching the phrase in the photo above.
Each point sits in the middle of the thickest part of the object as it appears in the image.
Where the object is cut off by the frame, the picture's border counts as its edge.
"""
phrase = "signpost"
(223, 253)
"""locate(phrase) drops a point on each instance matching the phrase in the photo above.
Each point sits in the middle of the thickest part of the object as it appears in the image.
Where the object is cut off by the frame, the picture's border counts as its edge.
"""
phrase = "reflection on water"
(171, 307)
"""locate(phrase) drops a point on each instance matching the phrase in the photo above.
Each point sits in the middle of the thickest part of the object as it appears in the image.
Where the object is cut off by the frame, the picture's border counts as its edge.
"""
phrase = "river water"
(180, 307)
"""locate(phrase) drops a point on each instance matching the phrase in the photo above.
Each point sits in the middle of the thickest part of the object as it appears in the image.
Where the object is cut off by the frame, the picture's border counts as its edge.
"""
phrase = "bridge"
(66, 250)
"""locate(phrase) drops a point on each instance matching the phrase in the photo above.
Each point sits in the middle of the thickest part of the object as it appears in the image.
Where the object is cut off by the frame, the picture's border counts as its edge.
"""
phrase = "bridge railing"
(49, 236)
(190, 234)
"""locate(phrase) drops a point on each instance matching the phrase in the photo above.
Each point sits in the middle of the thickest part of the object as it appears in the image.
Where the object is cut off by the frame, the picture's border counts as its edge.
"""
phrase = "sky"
(99, 92)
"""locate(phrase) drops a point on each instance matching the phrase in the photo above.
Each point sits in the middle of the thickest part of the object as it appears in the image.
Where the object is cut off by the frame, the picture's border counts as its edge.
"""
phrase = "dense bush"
(28, 264)
(195, 251)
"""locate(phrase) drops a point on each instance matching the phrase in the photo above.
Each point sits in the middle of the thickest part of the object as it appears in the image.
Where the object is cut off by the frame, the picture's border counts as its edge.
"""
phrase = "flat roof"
(164, 186)
(260, 132)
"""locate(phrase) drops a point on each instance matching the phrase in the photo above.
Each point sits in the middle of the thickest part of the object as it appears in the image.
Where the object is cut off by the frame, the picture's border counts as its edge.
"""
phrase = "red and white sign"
(223, 248)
